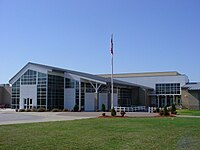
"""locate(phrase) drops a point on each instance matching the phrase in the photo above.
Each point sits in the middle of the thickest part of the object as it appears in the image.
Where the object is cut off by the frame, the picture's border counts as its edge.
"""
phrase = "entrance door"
(28, 103)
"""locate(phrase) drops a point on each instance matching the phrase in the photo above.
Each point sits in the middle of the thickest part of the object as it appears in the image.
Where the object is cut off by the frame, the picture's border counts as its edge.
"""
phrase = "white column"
(96, 97)
(158, 101)
(80, 95)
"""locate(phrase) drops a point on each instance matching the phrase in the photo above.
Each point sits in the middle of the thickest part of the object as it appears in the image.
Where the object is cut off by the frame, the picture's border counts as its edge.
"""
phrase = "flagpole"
(112, 96)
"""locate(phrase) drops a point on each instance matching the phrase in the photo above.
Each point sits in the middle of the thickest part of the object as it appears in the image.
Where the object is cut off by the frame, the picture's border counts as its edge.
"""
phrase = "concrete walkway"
(8, 116)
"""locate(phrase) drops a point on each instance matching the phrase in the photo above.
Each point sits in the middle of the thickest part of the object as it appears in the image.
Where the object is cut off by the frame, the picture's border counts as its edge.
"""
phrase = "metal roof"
(145, 74)
(192, 86)
(86, 75)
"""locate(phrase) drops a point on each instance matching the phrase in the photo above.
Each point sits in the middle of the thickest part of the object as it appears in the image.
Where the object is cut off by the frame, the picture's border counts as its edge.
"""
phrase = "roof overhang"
(79, 78)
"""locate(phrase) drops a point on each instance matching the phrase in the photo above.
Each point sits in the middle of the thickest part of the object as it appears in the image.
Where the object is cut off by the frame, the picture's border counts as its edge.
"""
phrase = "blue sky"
(149, 35)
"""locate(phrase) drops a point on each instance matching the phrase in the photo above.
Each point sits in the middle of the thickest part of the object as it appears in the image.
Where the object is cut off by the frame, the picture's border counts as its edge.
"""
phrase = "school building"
(38, 85)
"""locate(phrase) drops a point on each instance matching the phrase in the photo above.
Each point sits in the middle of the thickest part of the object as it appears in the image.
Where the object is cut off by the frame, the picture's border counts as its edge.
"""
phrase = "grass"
(188, 112)
(104, 133)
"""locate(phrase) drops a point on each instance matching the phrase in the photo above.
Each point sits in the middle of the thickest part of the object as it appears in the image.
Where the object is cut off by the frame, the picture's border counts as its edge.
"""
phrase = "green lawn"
(188, 112)
(104, 133)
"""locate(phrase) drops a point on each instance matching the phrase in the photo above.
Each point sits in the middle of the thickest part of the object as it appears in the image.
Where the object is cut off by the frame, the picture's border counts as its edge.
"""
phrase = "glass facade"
(69, 83)
(15, 95)
(125, 97)
(50, 90)
(168, 88)
(41, 90)
(29, 77)
(55, 92)
(89, 88)
(82, 94)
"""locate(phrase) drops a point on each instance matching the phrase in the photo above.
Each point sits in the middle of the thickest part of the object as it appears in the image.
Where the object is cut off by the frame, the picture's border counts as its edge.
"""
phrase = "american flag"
(111, 47)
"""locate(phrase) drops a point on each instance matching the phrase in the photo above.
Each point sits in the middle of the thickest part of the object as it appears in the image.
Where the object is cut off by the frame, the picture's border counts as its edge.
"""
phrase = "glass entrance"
(27, 103)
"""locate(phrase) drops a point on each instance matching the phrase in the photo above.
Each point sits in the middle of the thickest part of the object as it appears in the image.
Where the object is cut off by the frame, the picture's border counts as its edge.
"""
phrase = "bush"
(103, 107)
(65, 110)
(122, 113)
(21, 110)
(76, 108)
(16, 110)
(161, 113)
(113, 112)
(165, 111)
(55, 110)
(28, 110)
(157, 110)
(34, 109)
(173, 109)
(41, 109)
(103, 114)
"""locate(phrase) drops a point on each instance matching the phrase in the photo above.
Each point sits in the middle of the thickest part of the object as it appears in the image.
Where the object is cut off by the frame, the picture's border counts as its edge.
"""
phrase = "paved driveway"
(12, 117)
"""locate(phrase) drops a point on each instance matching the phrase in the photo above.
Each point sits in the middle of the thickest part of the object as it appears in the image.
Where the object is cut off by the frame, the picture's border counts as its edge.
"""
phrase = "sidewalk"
(9, 116)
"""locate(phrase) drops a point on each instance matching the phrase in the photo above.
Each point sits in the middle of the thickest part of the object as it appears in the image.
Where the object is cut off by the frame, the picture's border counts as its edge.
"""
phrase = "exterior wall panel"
(103, 99)
(28, 91)
(70, 98)
(89, 101)
(151, 81)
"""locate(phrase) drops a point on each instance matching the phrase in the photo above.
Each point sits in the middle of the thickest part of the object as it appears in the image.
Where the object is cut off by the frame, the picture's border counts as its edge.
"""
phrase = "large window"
(29, 77)
(89, 88)
(69, 83)
(15, 95)
(168, 88)
(82, 94)
(41, 90)
(125, 97)
(55, 92)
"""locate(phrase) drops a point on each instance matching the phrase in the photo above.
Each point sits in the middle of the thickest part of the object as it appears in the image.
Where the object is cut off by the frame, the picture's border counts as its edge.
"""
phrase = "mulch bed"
(106, 116)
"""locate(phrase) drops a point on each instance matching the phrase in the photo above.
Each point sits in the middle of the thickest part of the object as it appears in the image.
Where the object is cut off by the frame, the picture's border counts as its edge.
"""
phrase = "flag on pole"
(111, 46)
(111, 50)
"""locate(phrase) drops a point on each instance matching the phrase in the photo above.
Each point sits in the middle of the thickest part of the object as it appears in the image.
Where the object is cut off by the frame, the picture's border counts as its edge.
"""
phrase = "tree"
(113, 112)
(173, 109)
(103, 107)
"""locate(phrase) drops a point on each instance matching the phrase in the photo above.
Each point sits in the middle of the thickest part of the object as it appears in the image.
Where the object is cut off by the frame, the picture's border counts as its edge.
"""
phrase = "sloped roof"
(86, 75)
(144, 74)
(192, 86)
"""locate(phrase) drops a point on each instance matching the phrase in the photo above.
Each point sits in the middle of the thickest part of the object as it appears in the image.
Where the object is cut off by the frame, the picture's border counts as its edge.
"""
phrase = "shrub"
(157, 110)
(122, 113)
(21, 110)
(65, 110)
(34, 109)
(16, 110)
(103, 114)
(161, 113)
(173, 109)
(76, 108)
(165, 111)
(103, 107)
(113, 112)
(41, 109)
(28, 110)
(55, 110)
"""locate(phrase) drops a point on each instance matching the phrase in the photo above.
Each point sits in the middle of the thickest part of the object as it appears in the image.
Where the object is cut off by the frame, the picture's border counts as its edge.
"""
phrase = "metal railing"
(152, 109)
(130, 109)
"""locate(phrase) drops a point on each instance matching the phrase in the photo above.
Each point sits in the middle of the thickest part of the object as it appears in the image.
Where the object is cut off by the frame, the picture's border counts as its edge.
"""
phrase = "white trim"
(76, 77)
